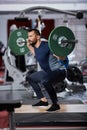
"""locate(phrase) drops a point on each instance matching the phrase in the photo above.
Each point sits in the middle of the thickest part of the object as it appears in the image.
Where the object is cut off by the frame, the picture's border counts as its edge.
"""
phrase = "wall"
(3, 29)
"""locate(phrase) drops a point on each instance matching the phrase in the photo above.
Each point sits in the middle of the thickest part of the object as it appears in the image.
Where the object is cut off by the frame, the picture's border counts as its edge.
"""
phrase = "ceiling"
(42, 1)
(16, 6)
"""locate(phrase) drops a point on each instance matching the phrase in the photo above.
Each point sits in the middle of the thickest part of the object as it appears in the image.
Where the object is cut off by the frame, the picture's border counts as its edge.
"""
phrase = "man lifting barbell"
(52, 57)
(52, 68)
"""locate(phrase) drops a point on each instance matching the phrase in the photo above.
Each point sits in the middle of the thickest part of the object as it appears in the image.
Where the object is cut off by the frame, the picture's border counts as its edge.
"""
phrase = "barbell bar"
(61, 41)
(69, 41)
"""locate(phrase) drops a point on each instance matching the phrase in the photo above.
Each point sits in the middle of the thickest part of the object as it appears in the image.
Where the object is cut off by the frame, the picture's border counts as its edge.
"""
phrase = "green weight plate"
(17, 42)
(55, 41)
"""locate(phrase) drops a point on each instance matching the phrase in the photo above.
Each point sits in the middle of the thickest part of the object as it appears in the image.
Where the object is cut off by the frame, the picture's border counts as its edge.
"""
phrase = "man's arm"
(60, 57)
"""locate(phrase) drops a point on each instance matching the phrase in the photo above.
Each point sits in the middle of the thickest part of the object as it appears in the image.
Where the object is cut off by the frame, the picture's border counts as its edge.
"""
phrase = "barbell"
(61, 41)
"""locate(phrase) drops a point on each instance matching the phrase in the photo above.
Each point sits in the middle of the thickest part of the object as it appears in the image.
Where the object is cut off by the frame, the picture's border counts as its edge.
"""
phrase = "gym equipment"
(14, 72)
(61, 41)
(74, 79)
(72, 83)
(78, 15)
(9, 105)
(74, 74)
(18, 77)
(17, 42)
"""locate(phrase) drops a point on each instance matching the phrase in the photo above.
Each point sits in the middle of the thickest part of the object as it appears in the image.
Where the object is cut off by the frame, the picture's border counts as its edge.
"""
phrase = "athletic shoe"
(41, 103)
(54, 107)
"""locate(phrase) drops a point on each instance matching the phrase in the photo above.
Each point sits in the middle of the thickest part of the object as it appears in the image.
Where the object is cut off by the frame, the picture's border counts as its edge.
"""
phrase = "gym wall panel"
(3, 30)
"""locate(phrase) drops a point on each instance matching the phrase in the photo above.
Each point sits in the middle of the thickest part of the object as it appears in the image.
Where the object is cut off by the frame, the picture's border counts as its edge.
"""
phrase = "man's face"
(32, 38)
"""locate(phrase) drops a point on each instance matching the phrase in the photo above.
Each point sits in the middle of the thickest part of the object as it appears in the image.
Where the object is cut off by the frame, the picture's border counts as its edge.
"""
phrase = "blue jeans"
(39, 78)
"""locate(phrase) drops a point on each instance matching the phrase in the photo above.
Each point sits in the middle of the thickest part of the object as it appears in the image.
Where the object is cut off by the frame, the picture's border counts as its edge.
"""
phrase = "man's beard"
(33, 43)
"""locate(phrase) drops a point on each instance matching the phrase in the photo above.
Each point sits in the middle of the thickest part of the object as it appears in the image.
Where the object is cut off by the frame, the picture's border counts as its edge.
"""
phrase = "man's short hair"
(36, 31)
